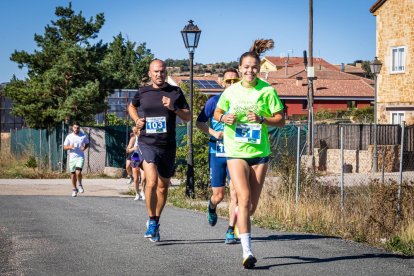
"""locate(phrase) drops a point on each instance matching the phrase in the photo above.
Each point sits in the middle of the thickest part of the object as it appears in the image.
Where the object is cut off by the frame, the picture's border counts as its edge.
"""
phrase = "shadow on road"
(306, 260)
(291, 237)
(177, 242)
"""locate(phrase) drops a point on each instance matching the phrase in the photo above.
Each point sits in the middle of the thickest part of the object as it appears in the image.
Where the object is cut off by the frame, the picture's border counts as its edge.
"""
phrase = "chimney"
(298, 78)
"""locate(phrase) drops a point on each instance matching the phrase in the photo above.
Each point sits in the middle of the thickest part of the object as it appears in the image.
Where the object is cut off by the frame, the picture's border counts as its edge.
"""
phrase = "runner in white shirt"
(76, 143)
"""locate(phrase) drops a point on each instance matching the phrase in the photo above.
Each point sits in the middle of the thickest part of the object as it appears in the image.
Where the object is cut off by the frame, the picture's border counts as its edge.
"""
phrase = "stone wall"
(357, 161)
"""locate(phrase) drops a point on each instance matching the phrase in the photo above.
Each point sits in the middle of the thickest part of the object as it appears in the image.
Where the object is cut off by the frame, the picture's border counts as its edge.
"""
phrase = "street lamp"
(191, 36)
(375, 66)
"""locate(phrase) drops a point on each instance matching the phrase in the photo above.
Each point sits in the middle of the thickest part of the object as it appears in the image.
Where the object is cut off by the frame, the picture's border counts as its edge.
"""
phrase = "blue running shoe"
(151, 229)
(157, 237)
(230, 239)
(211, 215)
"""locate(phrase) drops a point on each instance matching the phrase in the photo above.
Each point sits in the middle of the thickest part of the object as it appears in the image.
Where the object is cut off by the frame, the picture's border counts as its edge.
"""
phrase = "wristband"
(221, 117)
(261, 119)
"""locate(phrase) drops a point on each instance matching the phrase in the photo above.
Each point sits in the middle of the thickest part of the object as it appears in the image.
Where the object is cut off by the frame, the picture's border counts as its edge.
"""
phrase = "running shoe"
(211, 215)
(130, 179)
(74, 192)
(236, 231)
(142, 195)
(81, 190)
(230, 239)
(152, 228)
(249, 262)
(157, 236)
(137, 197)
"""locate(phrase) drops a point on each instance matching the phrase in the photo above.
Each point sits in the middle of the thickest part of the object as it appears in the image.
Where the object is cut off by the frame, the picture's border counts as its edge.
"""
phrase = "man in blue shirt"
(217, 158)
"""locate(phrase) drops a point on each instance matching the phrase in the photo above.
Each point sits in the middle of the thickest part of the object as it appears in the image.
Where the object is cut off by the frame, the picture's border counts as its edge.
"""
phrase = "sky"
(343, 30)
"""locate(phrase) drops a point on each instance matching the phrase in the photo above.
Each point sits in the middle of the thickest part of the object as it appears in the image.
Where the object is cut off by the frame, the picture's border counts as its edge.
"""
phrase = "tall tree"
(126, 64)
(71, 73)
(64, 80)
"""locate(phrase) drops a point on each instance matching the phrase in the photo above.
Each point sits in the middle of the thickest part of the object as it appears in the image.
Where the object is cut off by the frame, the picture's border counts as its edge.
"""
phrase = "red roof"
(328, 84)
(298, 62)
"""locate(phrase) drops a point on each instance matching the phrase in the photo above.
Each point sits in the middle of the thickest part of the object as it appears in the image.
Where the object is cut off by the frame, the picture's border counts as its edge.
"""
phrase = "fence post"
(401, 168)
(61, 145)
(49, 163)
(342, 167)
(383, 164)
(40, 150)
(297, 167)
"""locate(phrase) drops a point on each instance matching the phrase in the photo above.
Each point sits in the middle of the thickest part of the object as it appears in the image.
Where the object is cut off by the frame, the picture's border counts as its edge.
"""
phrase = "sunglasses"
(231, 81)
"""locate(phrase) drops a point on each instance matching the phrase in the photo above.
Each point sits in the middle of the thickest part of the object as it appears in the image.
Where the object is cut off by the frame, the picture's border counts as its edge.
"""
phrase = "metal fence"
(107, 146)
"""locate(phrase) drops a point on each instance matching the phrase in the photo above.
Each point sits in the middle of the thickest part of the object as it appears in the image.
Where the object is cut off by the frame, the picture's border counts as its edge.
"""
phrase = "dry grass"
(369, 213)
(22, 167)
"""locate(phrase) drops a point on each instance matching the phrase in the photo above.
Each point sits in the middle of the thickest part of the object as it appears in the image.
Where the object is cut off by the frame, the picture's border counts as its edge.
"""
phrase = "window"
(305, 104)
(397, 59)
(397, 118)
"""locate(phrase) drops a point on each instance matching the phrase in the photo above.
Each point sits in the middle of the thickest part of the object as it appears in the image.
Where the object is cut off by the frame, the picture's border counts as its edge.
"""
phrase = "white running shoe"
(74, 192)
(142, 195)
(130, 179)
(81, 190)
(137, 197)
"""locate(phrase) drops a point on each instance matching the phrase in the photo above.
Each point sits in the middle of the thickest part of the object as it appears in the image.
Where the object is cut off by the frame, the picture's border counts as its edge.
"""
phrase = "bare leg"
(151, 194)
(162, 193)
(135, 174)
(79, 176)
(239, 173)
(232, 205)
(73, 179)
(257, 177)
(128, 167)
(217, 196)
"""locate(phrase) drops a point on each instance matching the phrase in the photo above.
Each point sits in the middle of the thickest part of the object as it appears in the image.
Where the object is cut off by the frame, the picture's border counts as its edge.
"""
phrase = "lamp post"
(191, 36)
(375, 66)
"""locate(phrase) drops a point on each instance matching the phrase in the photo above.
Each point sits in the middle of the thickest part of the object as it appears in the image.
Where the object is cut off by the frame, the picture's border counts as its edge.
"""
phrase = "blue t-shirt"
(207, 115)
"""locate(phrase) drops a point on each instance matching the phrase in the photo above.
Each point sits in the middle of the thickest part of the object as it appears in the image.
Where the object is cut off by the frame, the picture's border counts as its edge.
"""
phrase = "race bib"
(248, 133)
(156, 125)
(220, 152)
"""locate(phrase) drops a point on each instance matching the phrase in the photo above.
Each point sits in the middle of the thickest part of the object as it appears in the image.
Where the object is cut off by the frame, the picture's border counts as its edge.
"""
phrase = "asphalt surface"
(103, 235)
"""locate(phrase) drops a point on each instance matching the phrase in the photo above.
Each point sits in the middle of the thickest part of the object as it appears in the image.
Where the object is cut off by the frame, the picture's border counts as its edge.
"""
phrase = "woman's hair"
(259, 47)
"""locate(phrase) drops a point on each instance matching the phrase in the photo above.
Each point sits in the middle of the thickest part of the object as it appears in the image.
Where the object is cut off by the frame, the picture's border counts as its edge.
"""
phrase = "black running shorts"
(162, 156)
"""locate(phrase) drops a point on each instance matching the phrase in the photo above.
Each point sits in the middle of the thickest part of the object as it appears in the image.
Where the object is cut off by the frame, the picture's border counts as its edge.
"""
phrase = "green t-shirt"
(244, 139)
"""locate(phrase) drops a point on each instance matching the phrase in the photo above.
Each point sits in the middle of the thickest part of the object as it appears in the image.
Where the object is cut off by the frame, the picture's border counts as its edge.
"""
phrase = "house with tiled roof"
(333, 90)
(395, 49)
(352, 69)
(271, 64)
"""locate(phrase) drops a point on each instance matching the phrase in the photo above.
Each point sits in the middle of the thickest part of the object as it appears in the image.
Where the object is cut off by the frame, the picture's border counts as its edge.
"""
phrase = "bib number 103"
(156, 125)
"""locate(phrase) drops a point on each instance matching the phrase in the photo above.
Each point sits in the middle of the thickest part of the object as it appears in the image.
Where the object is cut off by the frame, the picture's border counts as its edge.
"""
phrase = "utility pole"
(311, 77)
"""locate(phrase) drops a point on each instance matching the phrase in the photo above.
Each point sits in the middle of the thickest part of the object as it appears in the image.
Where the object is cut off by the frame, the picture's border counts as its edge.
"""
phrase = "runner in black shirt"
(160, 104)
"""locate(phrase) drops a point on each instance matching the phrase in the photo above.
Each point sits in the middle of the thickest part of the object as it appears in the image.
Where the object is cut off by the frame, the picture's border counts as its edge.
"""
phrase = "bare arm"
(228, 119)
(184, 114)
(131, 143)
(208, 130)
(133, 113)
(68, 147)
(277, 120)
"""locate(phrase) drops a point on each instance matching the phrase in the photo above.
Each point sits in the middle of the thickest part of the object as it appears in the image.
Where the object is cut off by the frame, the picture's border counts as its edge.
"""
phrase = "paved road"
(93, 235)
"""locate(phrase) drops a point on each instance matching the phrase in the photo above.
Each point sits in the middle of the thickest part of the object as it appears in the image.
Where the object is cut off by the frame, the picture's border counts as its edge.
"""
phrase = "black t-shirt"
(160, 123)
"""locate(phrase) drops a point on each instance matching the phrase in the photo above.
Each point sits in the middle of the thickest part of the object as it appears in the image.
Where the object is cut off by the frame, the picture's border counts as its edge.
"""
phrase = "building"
(7, 119)
(395, 49)
(333, 90)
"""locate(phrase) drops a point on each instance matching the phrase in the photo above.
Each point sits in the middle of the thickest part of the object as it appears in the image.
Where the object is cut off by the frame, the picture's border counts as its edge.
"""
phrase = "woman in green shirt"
(247, 108)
